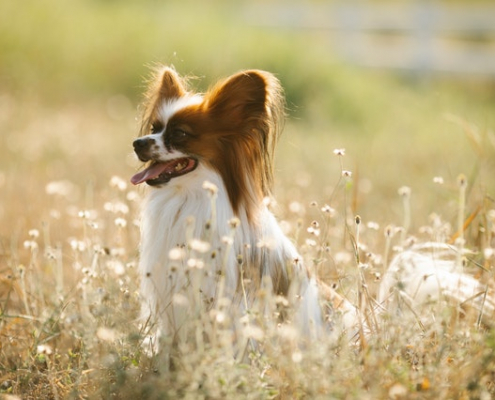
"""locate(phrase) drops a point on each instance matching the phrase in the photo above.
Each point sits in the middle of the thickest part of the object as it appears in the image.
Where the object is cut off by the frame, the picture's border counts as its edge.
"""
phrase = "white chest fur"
(191, 250)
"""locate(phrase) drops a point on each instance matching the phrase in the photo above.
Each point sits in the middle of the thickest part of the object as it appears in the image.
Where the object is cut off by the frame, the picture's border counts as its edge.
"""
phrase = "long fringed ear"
(240, 97)
(165, 84)
(251, 103)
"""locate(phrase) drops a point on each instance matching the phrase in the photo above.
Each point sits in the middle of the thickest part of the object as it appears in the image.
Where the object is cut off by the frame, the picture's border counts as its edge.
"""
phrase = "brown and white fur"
(210, 169)
(225, 138)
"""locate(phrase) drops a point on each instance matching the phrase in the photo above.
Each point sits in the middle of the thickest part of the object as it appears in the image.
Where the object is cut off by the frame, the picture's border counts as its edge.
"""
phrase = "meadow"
(71, 76)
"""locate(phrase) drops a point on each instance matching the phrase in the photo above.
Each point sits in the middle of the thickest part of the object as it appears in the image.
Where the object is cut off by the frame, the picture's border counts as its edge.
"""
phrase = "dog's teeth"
(180, 166)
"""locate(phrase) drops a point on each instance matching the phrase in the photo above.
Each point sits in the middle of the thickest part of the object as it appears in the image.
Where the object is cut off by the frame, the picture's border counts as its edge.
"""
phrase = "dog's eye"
(180, 133)
(156, 127)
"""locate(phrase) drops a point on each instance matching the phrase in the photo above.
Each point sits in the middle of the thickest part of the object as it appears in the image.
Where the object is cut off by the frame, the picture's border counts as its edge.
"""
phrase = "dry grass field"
(70, 79)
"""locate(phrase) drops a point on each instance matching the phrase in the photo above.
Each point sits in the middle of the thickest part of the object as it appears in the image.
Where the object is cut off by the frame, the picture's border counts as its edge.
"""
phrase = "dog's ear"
(165, 84)
(171, 85)
(240, 97)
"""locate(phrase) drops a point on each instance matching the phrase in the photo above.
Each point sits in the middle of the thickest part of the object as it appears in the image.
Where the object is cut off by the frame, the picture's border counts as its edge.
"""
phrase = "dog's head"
(231, 130)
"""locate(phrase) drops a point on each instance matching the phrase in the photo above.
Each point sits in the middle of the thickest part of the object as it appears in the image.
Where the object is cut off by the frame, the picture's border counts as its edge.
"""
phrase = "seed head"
(210, 187)
(234, 222)
(120, 222)
(404, 191)
(462, 181)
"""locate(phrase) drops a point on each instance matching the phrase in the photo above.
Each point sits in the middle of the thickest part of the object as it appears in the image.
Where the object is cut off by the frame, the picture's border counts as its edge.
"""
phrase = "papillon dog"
(210, 171)
(207, 234)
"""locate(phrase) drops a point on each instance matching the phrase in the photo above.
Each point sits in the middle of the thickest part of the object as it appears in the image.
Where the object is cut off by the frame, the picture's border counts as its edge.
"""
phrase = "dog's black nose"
(142, 143)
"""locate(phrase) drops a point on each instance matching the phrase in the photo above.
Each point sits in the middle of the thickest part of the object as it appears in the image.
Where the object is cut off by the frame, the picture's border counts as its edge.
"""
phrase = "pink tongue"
(149, 173)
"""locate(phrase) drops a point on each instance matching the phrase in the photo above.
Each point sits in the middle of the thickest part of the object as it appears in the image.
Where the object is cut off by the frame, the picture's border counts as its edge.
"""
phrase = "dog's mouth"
(162, 172)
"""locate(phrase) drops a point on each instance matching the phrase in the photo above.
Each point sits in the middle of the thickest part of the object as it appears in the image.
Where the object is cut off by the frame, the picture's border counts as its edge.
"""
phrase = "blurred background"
(407, 88)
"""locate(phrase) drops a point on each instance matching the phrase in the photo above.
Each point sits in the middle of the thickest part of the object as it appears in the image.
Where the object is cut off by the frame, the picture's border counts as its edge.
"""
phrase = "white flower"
(404, 191)
(34, 233)
(195, 263)
(120, 222)
(44, 349)
(177, 253)
(199, 245)
(118, 183)
(210, 187)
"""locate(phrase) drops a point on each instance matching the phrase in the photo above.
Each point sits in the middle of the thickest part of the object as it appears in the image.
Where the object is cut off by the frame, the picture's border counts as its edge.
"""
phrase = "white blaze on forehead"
(170, 107)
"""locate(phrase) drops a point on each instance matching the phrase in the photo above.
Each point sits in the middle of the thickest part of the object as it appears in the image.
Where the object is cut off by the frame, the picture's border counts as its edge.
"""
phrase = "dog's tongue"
(151, 172)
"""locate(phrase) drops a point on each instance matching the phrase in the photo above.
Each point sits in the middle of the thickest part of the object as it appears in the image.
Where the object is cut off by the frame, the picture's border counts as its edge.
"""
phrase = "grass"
(69, 302)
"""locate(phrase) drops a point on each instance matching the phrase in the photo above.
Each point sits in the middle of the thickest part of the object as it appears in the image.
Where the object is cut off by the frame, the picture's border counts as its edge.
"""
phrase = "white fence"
(421, 36)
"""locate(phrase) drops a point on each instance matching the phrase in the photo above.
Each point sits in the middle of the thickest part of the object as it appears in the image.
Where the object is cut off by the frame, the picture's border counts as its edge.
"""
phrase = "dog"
(210, 169)
(208, 238)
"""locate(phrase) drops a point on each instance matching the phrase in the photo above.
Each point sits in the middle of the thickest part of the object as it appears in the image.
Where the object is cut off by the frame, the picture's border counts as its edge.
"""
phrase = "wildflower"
(84, 214)
(346, 174)
(438, 180)
(328, 210)
(117, 207)
(389, 231)
(282, 301)
(132, 195)
(199, 245)
(404, 191)
(120, 222)
(269, 201)
(227, 240)
(310, 242)
(211, 188)
(44, 349)
(34, 233)
(30, 245)
(314, 228)
(77, 245)
(462, 180)
(117, 267)
(177, 253)
(195, 263)
(234, 222)
(118, 183)
(339, 152)
(220, 317)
